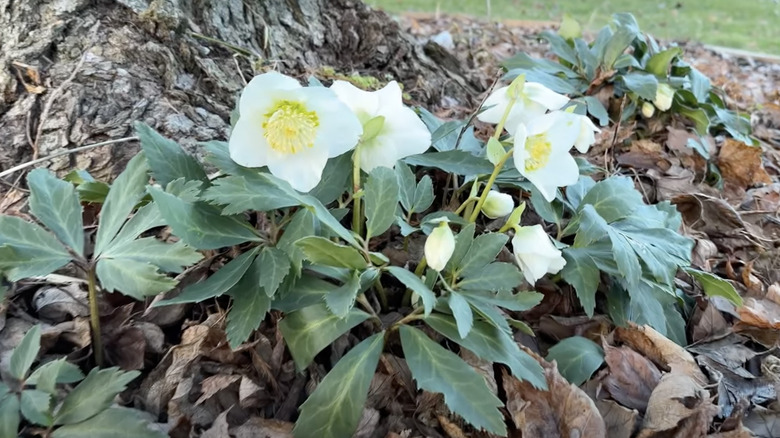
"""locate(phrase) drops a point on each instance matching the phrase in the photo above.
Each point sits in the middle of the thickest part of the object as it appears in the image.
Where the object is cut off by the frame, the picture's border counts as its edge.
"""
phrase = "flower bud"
(535, 253)
(497, 204)
(663, 97)
(439, 246)
(648, 109)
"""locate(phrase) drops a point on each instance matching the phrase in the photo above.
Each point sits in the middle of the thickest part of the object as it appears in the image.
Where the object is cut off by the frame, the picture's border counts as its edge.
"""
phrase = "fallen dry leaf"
(265, 428)
(760, 313)
(678, 408)
(708, 323)
(764, 422)
(562, 411)
(740, 164)
(631, 377)
(620, 421)
(219, 429)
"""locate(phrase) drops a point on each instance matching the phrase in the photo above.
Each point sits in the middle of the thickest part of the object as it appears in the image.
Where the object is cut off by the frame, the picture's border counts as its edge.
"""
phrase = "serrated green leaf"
(560, 47)
(167, 159)
(342, 299)
(48, 375)
(715, 286)
(465, 391)
(93, 191)
(309, 330)
(275, 265)
(55, 203)
(582, 273)
(577, 357)
(497, 276)
(126, 191)
(461, 310)
(414, 283)
(423, 195)
(407, 185)
(613, 198)
(597, 110)
(9, 417)
(518, 302)
(133, 278)
(455, 161)
(34, 405)
(491, 343)
(593, 227)
(647, 306)
(295, 294)
(218, 283)
(550, 80)
(250, 304)
(94, 394)
(115, 422)
(644, 85)
(144, 219)
(381, 200)
(320, 250)
(660, 63)
(25, 353)
(301, 225)
(483, 250)
(168, 257)
(463, 241)
(335, 407)
(27, 250)
(242, 193)
(335, 179)
(201, 225)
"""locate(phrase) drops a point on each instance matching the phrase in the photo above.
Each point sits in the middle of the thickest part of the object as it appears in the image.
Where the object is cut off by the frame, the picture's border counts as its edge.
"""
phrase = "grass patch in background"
(746, 24)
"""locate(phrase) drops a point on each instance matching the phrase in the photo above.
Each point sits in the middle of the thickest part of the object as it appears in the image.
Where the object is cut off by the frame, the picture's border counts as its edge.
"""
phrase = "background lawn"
(745, 24)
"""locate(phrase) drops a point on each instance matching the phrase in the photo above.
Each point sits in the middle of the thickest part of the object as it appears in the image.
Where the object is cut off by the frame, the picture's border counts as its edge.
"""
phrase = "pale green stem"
(94, 317)
(357, 206)
(465, 204)
(489, 185)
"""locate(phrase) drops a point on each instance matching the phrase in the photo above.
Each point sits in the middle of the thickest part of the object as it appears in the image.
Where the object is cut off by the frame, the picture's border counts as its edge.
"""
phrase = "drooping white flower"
(534, 100)
(587, 130)
(663, 97)
(402, 134)
(535, 253)
(648, 109)
(439, 246)
(497, 204)
(291, 129)
(541, 152)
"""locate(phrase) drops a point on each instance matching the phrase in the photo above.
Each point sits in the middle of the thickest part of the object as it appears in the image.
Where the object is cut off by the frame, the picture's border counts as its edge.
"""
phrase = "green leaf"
(715, 286)
(335, 407)
(25, 353)
(597, 110)
(660, 63)
(581, 272)
(168, 257)
(381, 198)
(301, 225)
(560, 47)
(497, 276)
(613, 198)
(618, 43)
(698, 116)
(463, 241)
(465, 391)
(55, 203)
(115, 422)
(423, 195)
(494, 151)
(320, 250)
(275, 265)
(9, 416)
(250, 304)
(94, 394)
(167, 159)
(144, 219)
(48, 375)
(126, 191)
(313, 328)
(218, 283)
(201, 225)
(461, 310)
(595, 227)
(242, 193)
(335, 179)
(456, 161)
(644, 85)
(27, 250)
(518, 302)
(569, 28)
(35, 407)
(492, 344)
(483, 250)
(407, 185)
(414, 283)
(700, 85)
(577, 357)
(342, 299)
(93, 191)
(295, 294)
(133, 278)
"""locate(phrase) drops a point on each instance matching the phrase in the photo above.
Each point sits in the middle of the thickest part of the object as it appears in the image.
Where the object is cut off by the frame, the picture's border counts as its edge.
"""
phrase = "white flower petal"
(389, 96)
(409, 134)
(379, 152)
(562, 133)
(339, 130)
(259, 92)
(519, 154)
(302, 170)
(587, 135)
(564, 172)
(498, 204)
(247, 145)
(499, 100)
(535, 253)
(363, 103)
(540, 94)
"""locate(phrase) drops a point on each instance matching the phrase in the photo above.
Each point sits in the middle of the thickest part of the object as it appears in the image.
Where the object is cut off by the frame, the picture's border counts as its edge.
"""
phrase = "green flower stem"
(489, 185)
(94, 317)
(357, 206)
(407, 299)
(380, 291)
(415, 315)
(465, 204)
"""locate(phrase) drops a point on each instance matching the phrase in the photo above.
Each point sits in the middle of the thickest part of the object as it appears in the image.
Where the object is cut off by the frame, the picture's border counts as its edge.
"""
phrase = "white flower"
(534, 100)
(535, 253)
(648, 109)
(541, 153)
(402, 134)
(291, 129)
(497, 204)
(663, 97)
(439, 246)
(587, 130)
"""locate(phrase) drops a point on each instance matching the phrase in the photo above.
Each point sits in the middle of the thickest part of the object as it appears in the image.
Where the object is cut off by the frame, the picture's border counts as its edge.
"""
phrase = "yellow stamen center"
(289, 127)
(539, 149)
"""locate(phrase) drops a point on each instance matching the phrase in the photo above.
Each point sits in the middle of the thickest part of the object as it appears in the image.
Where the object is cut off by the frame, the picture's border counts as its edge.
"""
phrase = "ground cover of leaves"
(722, 385)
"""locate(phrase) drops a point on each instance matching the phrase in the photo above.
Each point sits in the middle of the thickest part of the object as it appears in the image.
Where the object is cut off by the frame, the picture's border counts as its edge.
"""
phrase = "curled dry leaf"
(562, 411)
(678, 408)
(660, 350)
(620, 421)
(262, 427)
(740, 164)
(760, 313)
(631, 377)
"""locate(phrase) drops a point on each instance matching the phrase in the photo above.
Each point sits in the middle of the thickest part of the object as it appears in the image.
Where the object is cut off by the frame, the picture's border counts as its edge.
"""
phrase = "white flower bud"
(663, 97)
(648, 109)
(535, 253)
(439, 246)
(497, 204)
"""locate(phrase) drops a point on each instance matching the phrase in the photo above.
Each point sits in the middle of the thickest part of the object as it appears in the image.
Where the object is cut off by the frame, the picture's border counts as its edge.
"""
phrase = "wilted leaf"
(577, 358)
(631, 377)
(678, 407)
(741, 164)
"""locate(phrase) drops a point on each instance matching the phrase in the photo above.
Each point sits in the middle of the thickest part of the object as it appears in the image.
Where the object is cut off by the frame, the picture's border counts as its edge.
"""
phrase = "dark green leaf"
(93, 191)
(582, 273)
(35, 407)
(613, 198)
(295, 294)
(275, 265)
(335, 179)
(577, 357)
(381, 199)
(597, 110)
(146, 218)
(48, 375)
(700, 85)
(27, 250)
(463, 241)
(132, 278)
(309, 330)
(414, 283)
(560, 47)
(497, 276)
(242, 193)
(9, 416)
(115, 422)
(423, 195)
(407, 185)
(301, 225)
(320, 250)
(335, 407)
(715, 286)
(342, 299)
(250, 304)
(549, 80)
(461, 310)
(167, 159)
(456, 161)
(618, 43)
(660, 63)
(168, 257)
(465, 391)
(698, 116)
(25, 353)
(519, 302)
(94, 394)
(55, 203)
(483, 250)
(644, 85)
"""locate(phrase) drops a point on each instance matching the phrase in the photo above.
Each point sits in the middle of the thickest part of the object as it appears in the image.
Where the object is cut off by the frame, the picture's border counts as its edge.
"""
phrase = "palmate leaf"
(167, 159)
(114, 422)
(9, 416)
(414, 283)
(48, 375)
(35, 407)
(381, 199)
(55, 203)
(25, 353)
(309, 330)
(94, 394)
(322, 251)
(249, 192)
(168, 257)
(577, 358)
(455, 161)
(250, 304)
(335, 407)
(438, 370)
(133, 278)
(27, 250)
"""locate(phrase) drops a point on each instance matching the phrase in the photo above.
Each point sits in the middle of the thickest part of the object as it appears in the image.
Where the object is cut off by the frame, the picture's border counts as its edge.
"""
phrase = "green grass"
(744, 24)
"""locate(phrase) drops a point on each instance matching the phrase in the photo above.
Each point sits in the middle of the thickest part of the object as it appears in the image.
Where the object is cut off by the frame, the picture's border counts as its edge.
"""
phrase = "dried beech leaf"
(631, 377)
(678, 408)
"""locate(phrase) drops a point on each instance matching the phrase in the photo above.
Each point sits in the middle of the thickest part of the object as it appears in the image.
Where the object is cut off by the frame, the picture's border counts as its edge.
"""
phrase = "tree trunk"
(77, 72)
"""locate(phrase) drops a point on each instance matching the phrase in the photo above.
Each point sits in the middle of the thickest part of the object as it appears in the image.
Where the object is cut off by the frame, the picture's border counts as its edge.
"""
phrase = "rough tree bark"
(76, 72)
